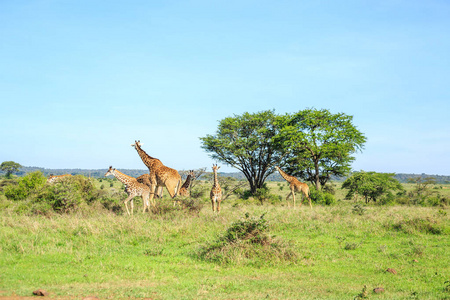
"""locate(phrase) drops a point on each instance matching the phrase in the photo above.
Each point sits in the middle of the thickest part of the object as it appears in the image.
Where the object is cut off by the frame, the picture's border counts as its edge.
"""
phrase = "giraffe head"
(110, 171)
(215, 167)
(191, 172)
(51, 178)
(137, 144)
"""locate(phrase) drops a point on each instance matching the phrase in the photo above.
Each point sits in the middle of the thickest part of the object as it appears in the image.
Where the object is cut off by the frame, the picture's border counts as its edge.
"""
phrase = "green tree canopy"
(311, 144)
(320, 144)
(246, 142)
(371, 185)
(10, 167)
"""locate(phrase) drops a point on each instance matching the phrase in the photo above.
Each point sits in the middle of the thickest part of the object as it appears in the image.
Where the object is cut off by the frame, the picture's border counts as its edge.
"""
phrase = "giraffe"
(216, 191)
(295, 186)
(160, 175)
(145, 179)
(184, 190)
(55, 178)
(133, 188)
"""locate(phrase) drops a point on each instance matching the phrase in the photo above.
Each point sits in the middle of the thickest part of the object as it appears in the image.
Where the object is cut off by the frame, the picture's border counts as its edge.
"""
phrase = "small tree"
(421, 191)
(10, 167)
(371, 185)
(422, 183)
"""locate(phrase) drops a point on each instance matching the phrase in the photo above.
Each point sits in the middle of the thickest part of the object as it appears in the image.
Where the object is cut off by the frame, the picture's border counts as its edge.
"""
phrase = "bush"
(246, 241)
(34, 196)
(198, 192)
(162, 208)
(418, 225)
(388, 199)
(359, 210)
(371, 185)
(262, 195)
(191, 205)
(320, 197)
(26, 186)
(329, 188)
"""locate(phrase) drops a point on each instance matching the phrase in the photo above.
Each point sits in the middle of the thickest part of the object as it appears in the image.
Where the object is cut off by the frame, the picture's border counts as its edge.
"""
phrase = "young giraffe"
(295, 186)
(133, 188)
(160, 175)
(184, 190)
(216, 191)
(52, 178)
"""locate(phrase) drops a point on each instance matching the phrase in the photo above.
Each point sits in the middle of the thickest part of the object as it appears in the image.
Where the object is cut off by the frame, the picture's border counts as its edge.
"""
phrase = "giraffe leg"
(303, 198)
(132, 206)
(293, 197)
(153, 188)
(126, 203)
(145, 202)
(212, 203)
(160, 191)
(287, 199)
(218, 206)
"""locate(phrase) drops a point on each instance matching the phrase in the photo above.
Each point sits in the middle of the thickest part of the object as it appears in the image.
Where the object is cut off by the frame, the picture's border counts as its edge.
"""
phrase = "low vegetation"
(247, 242)
(73, 239)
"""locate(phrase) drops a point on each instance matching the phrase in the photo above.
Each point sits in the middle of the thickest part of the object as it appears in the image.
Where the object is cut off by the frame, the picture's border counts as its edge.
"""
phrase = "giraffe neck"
(125, 179)
(284, 175)
(147, 159)
(187, 182)
(216, 180)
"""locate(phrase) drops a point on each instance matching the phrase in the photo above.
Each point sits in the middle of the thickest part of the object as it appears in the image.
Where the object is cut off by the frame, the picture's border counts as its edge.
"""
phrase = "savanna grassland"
(251, 250)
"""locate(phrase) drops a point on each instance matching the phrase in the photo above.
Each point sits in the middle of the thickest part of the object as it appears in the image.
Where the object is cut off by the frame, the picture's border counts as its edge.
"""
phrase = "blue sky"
(81, 80)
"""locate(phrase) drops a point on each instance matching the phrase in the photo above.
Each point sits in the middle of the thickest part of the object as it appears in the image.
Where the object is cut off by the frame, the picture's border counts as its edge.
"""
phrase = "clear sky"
(80, 80)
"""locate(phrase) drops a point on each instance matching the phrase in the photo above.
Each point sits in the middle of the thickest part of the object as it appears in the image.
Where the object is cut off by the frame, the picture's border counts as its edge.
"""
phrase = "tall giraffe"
(295, 186)
(55, 178)
(184, 190)
(216, 191)
(133, 188)
(160, 175)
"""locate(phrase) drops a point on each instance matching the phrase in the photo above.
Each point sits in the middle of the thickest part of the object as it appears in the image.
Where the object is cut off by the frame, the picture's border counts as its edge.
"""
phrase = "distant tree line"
(99, 173)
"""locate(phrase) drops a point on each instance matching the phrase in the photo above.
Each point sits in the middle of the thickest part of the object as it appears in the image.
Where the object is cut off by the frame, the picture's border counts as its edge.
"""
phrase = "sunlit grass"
(117, 256)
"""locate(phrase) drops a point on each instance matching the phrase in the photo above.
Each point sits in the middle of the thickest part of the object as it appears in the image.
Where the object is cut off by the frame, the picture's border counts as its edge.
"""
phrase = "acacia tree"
(311, 144)
(320, 144)
(10, 167)
(247, 143)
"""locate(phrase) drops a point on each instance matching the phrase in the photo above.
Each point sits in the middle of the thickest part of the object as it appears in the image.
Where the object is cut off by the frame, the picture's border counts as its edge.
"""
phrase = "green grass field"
(156, 256)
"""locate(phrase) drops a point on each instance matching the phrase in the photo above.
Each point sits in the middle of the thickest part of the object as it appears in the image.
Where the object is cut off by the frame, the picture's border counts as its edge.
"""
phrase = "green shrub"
(320, 197)
(247, 242)
(330, 188)
(437, 200)
(262, 195)
(198, 192)
(358, 209)
(26, 186)
(191, 205)
(387, 199)
(164, 208)
(371, 185)
(418, 225)
(34, 196)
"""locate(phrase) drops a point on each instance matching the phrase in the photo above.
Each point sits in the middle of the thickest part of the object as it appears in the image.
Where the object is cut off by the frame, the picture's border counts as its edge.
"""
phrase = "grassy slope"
(117, 257)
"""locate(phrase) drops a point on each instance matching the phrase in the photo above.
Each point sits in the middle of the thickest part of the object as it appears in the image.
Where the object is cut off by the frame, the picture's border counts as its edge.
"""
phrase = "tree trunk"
(316, 175)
